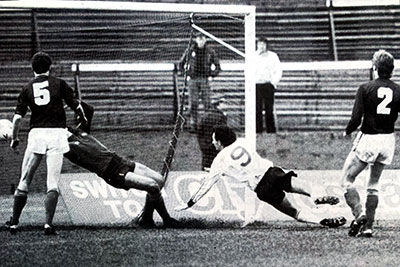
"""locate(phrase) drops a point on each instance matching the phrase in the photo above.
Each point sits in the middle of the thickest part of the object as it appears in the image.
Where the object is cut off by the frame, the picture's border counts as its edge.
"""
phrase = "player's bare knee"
(347, 186)
(372, 192)
(23, 186)
(52, 184)
(20, 192)
(54, 190)
(153, 188)
(159, 180)
(348, 178)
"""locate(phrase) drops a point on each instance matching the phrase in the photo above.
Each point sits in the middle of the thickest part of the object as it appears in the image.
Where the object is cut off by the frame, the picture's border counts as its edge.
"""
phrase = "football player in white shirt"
(237, 161)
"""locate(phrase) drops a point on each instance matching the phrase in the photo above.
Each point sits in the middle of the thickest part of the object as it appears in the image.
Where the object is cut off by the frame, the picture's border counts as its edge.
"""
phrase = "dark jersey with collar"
(377, 104)
(44, 96)
(87, 152)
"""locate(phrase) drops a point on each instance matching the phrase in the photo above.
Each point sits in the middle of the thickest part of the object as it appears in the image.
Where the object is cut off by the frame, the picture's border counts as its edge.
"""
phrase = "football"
(5, 129)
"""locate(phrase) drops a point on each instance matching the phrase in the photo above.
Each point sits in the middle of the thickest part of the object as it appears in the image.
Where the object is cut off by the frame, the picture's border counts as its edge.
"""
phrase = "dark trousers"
(199, 88)
(265, 94)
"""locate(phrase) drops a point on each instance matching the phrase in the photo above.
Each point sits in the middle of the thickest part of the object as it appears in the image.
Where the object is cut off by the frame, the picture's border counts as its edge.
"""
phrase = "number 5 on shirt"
(41, 93)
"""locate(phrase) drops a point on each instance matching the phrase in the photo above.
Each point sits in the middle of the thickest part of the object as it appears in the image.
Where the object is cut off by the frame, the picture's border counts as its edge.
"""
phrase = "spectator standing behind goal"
(44, 96)
(268, 74)
(212, 117)
(202, 64)
(238, 162)
(377, 105)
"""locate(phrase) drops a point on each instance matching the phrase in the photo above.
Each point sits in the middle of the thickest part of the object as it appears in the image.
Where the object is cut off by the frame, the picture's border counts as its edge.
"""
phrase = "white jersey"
(237, 162)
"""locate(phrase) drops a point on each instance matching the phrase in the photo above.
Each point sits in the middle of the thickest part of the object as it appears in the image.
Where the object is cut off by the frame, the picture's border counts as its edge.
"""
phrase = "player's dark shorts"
(274, 184)
(115, 173)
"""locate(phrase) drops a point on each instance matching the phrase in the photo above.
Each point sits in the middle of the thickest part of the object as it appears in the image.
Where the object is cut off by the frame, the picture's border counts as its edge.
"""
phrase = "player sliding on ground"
(237, 161)
(377, 105)
(87, 152)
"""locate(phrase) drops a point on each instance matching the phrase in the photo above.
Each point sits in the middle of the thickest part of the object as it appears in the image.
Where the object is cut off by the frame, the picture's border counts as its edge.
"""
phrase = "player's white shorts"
(373, 148)
(49, 141)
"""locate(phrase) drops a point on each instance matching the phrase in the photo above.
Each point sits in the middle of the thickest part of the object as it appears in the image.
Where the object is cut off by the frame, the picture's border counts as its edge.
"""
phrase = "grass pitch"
(274, 244)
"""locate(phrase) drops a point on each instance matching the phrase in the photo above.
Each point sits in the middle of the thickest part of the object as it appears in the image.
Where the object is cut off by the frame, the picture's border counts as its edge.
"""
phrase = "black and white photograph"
(157, 133)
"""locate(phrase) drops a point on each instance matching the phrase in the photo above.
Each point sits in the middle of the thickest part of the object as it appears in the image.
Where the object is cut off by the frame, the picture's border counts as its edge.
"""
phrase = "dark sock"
(159, 205)
(19, 204)
(370, 208)
(50, 204)
(148, 208)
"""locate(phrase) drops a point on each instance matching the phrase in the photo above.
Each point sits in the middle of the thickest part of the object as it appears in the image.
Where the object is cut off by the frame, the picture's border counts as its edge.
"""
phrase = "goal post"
(248, 13)
(123, 57)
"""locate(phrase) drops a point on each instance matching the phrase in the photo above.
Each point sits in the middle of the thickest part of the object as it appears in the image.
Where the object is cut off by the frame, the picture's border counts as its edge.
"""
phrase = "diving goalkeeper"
(89, 153)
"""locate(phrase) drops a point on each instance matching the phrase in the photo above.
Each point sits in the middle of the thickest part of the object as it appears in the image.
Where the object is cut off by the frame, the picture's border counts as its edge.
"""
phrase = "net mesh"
(126, 64)
(144, 101)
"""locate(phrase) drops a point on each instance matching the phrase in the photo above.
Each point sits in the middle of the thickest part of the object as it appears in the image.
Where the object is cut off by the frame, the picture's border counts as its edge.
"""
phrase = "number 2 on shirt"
(387, 95)
(41, 93)
(240, 153)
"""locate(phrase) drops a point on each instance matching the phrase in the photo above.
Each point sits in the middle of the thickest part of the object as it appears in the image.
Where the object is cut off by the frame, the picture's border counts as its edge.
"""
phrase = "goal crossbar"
(131, 6)
(139, 66)
(247, 11)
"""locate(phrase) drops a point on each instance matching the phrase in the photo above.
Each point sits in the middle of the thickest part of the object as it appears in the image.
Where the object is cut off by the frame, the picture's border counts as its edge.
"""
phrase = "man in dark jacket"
(202, 64)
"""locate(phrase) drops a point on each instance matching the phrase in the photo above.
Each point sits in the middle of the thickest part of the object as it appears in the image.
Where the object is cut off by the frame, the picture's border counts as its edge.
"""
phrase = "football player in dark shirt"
(89, 153)
(377, 105)
(44, 96)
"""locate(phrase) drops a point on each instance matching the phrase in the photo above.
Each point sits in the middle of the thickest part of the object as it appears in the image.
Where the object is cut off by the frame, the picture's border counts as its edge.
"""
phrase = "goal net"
(128, 59)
